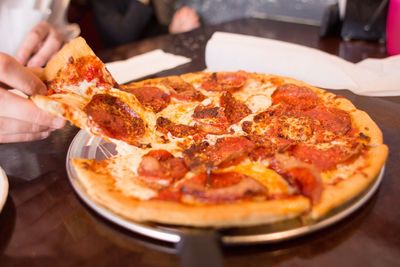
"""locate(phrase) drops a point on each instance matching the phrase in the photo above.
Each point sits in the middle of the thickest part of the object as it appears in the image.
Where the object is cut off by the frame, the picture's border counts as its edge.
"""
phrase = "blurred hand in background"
(39, 45)
(184, 19)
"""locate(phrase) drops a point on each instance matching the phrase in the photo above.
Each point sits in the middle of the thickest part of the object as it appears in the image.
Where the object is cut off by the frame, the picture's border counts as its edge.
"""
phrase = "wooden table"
(45, 224)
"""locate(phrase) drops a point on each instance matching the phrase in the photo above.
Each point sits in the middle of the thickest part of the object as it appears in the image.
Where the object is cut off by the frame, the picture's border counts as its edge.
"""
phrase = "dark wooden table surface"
(45, 224)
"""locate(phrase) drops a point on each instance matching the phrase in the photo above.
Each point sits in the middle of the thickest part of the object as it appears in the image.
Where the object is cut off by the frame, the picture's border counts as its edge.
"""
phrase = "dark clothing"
(120, 21)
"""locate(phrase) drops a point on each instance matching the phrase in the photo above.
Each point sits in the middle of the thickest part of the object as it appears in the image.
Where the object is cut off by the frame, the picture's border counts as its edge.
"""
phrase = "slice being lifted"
(214, 149)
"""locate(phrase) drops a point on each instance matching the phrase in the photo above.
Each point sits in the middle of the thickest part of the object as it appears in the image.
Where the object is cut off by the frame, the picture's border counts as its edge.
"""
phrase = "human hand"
(185, 19)
(20, 119)
(39, 45)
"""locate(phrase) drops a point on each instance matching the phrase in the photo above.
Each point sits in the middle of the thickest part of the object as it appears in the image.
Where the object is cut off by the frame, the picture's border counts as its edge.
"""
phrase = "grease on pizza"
(214, 149)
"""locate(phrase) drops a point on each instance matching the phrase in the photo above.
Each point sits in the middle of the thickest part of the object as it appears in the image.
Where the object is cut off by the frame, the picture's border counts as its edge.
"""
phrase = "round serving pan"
(205, 242)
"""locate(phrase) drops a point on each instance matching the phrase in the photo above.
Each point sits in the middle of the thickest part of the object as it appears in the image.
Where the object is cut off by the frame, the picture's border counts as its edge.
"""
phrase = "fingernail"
(58, 123)
(44, 135)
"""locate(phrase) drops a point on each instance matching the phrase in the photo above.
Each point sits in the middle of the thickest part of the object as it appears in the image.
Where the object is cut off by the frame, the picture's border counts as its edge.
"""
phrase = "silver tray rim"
(172, 235)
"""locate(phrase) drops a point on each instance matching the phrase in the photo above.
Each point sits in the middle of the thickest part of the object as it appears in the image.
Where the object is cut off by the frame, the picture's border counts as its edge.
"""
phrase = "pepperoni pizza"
(214, 149)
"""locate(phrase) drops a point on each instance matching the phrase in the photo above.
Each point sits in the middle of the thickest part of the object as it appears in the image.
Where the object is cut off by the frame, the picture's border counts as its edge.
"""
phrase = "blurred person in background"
(121, 21)
(191, 14)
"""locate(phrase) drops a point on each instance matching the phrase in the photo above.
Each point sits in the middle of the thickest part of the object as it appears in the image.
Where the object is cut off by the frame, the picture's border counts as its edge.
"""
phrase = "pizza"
(214, 149)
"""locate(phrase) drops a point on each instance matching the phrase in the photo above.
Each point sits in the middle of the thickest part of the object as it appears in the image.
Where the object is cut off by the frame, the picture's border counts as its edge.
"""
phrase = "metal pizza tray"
(202, 247)
(86, 146)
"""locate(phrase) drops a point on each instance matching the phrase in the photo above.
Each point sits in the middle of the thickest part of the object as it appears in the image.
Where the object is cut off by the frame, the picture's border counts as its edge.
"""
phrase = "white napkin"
(372, 77)
(16, 20)
(144, 65)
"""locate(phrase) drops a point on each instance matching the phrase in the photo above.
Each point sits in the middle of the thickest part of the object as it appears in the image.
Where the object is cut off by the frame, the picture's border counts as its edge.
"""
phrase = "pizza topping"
(331, 119)
(234, 109)
(182, 90)
(87, 68)
(114, 118)
(178, 130)
(150, 97)
(309, 182)
(247, 126)
(304, 175)
(258, 103)
(264, 117)
(211, 119)
(221, 187)
(325, 159)
(227, 151)
(292, 128)
(295, 96)
(264, 147)
(224, 81)
(205, 112)
(230, 150)
(161, 165)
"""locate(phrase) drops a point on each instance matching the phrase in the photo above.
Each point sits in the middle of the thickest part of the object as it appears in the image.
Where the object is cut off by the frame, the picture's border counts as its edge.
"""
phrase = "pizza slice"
(82, 91)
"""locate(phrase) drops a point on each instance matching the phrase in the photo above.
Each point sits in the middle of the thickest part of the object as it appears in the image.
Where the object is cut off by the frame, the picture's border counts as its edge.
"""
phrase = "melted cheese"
(123, 170)
(267, 177)
(180, 113)
(258, 103)
(343, 171)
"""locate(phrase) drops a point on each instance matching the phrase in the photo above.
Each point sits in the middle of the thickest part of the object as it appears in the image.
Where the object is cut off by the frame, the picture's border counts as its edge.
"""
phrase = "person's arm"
(39, 45)
(20, 119)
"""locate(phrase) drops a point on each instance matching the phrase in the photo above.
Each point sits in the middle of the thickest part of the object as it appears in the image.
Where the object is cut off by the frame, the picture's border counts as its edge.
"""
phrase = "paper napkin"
(372, 77)
(144, 65)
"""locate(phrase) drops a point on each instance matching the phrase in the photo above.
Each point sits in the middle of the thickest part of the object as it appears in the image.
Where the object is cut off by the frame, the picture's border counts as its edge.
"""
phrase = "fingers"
(50, 46)
(38, 72)
(14, 126)
(16, 107)
(185, 19)
(32, 42)
(24, 137)
(16, 76)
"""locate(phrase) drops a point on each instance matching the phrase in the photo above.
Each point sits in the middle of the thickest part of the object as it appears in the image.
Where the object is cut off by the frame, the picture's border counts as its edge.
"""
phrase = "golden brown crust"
(100, 187)
(339, 193)
(69, 106)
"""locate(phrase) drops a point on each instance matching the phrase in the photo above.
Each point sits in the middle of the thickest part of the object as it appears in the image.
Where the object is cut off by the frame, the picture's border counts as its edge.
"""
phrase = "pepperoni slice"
(305, 176)
(114, 118)
(299, 97)
(87, 68)
(230, 150)
(234, 109)
(163, 166)
(182, 90)
(164, 125)
(222, 187)
(225, 81)
(310, 185)
(211, 119)
(331, 119)
(264, 147)
(151, 97)
(226, 152)
(328, 158)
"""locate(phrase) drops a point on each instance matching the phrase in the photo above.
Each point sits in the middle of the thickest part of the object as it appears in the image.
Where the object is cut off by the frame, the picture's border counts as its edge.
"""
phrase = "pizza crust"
(69, 106)
(334, 195)
(99, 185)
